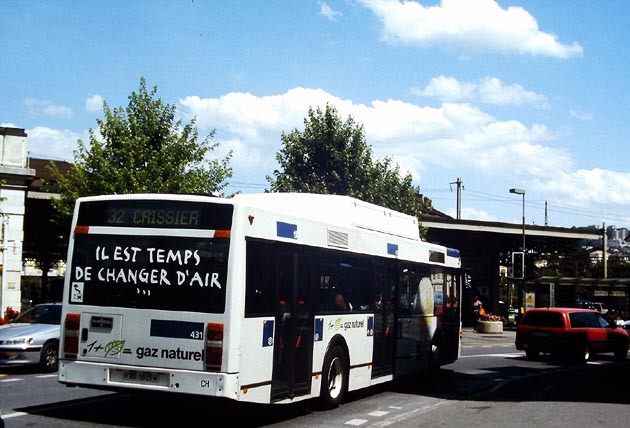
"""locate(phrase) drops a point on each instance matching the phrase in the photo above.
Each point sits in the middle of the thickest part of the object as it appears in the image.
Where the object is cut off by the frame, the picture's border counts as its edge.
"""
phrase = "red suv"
(569, 332)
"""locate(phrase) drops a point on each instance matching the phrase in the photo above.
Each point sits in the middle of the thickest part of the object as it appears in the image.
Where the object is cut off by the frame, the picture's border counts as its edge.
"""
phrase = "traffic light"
(518, 265)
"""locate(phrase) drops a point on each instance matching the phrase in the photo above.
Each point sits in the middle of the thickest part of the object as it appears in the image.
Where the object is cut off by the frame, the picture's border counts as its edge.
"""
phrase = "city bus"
(264, 298)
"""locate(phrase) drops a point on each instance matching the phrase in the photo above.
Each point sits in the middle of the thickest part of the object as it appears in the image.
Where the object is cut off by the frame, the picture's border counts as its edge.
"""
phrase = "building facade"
(15, 176)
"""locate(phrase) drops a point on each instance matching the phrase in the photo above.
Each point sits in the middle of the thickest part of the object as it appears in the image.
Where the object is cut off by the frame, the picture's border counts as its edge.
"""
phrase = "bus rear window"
(149, 272)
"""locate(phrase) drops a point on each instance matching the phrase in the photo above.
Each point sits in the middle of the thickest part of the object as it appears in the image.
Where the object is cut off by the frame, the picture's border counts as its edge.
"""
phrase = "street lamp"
(522, 288)
(521, 192)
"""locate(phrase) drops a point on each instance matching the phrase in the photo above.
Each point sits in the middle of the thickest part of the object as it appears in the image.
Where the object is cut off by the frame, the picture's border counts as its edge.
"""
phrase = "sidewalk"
(507, 336)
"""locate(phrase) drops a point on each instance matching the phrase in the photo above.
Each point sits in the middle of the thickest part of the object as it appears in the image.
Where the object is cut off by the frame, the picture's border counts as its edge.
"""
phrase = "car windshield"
(43, 314)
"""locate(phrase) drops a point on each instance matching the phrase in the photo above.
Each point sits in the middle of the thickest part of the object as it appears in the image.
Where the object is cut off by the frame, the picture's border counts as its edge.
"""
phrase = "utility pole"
(605, 250)
(522, 288)
(5, 271)
(460, 186)
(546, 224)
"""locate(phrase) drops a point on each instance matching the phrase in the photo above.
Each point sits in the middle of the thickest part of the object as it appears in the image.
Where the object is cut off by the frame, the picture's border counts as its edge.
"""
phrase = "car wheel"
(583, 353)
(621, 353)
(532, 355)
(334, 378)
(49, 358)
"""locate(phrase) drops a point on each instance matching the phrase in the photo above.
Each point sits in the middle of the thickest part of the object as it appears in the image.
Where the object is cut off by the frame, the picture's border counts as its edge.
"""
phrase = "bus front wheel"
(334, 378)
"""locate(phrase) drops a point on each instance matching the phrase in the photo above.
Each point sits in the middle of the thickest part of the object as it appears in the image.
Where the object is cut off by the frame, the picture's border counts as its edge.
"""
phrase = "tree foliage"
(332, 157)
(141, 149)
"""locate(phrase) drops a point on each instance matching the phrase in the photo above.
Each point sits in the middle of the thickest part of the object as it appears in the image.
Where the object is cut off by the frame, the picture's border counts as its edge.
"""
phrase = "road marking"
(401, 417)
(477, 371)
(487, 344)
(13, 379)
(378, 413)
(356, 422)
(47, 375)
(13, 415)
(509, 355)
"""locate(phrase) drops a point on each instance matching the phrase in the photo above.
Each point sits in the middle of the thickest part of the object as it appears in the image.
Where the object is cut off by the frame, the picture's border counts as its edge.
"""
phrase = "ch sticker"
(76, 293)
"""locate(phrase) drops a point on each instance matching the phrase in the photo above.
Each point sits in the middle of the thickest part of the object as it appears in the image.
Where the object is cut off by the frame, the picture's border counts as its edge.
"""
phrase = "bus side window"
(364, 289)
(424, 298)
(341, 304)
(260, 278)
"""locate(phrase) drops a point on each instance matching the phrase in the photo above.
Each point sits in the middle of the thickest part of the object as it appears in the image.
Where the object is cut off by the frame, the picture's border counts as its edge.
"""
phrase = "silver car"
(32, 338)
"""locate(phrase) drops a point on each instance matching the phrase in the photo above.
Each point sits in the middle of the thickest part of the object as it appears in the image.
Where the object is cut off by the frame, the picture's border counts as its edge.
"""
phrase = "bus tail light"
(214, 347)
(71, 336)
(222, 234)
(82, 229)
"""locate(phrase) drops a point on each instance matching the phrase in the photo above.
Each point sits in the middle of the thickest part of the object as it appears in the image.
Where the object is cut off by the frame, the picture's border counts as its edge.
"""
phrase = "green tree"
(332, 157)
(141, 148)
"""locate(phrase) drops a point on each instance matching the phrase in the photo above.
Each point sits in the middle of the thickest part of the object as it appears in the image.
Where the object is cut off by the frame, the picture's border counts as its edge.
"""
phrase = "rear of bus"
(145, 295)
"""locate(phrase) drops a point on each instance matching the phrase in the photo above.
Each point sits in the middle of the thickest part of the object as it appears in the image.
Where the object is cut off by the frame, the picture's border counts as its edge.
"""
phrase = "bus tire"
(334, 378)
(435, 358)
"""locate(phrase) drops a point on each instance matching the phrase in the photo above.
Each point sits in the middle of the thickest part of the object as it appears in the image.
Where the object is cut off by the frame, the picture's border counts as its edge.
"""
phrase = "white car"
(602, 308)
(32, 338)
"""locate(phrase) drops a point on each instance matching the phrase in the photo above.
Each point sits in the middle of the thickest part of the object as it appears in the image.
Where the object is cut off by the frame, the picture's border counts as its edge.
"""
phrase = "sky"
(533, 95)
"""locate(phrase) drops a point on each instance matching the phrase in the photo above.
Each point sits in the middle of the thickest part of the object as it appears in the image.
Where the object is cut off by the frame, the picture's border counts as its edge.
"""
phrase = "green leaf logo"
(114, 348)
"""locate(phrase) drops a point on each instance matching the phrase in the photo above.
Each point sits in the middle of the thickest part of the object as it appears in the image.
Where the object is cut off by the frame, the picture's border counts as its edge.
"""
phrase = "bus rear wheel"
(435, 360)
(334, 378)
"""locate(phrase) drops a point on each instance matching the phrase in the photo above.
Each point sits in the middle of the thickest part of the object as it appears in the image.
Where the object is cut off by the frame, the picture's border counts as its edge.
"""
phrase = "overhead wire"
(552, 207)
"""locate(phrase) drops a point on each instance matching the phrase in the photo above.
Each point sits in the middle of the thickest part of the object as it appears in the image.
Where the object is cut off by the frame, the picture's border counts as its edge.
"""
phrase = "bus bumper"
(121, 377)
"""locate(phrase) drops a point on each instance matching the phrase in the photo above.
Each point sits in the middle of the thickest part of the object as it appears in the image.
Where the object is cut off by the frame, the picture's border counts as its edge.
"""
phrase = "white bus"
(266, 298)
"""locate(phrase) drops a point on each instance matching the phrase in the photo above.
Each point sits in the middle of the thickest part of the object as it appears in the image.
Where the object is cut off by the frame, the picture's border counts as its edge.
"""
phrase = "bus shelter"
(486, 248)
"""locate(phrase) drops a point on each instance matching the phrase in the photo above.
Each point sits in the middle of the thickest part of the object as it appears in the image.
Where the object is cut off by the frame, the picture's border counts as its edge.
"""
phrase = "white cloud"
(489, 90)
(493, 91)
(257, 119)
(583, 116)
(52, 143)
(588, 188)
(469, 213)
(447, 89)
(472, 25)
(416, 137)
(94, 103)
(48, 108)
(328, 12)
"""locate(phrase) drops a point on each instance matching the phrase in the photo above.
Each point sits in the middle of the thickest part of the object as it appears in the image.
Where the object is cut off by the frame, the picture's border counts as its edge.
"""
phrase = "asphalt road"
(492, 384)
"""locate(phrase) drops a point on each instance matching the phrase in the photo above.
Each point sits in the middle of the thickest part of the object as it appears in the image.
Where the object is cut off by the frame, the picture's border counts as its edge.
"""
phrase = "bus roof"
(335, 209)
(339, 210)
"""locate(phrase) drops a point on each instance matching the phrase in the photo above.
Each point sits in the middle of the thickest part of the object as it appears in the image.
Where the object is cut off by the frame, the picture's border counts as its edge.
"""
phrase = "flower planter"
(490, 327)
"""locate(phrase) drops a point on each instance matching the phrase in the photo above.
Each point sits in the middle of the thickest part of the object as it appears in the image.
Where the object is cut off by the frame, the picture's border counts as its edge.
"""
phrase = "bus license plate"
(138, 376)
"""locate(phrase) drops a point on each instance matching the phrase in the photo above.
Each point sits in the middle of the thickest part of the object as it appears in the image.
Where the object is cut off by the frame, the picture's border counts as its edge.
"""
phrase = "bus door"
(415, 323)
(293, 343)
(451, 317)
(407, 333)
(384, 334)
